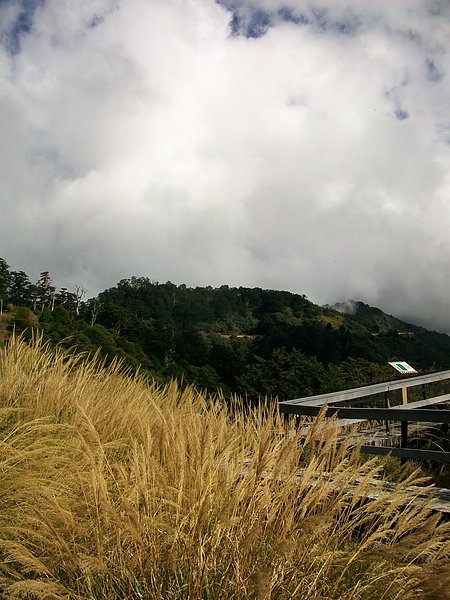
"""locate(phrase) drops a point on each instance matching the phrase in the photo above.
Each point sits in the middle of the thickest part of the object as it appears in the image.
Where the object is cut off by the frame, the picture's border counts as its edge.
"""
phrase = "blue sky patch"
(401, 114)
(286, 14)
(433, 72)
(253, 22)
(21, 26)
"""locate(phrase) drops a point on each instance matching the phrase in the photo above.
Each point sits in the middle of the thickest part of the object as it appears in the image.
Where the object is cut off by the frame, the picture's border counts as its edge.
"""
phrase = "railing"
(404, 413)
(371, 390)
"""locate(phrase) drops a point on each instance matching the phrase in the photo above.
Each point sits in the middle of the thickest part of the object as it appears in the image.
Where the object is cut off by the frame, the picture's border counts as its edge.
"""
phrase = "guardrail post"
(285, 417)
(387, 404)
(404, 438)
(404, 395)
(424, 391)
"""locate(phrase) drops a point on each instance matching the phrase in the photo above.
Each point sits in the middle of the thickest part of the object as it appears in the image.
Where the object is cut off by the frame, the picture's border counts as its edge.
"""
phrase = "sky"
(285, 144)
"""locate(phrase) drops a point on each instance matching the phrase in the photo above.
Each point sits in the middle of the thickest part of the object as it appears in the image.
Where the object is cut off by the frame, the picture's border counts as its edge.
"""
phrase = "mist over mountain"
(370, 316)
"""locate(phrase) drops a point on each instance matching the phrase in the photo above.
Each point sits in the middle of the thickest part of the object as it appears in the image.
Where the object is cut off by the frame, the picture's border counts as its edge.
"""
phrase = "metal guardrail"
(407, 453)
(373, 414)
(369, 390)
(418, 411)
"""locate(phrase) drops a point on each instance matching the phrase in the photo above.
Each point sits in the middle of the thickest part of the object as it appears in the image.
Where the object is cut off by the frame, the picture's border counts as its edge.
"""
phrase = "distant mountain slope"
(250, 341)
(176, 323)
(373, 318)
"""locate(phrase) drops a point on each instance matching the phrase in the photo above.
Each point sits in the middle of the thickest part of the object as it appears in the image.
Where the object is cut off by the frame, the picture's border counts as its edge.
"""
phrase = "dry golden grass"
(112, 488)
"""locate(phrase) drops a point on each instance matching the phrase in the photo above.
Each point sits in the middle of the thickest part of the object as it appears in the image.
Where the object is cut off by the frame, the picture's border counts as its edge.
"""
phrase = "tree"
(285, 375)
(46, 291)
(356, 372)
(94, 305)
(115, 317)
(19, 288)
(5, 280)
(25, 321)
(66, 299)
(80, 293)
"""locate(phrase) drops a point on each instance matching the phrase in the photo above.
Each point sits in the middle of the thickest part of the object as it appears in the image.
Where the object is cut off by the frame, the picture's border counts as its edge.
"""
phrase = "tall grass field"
(112, 488)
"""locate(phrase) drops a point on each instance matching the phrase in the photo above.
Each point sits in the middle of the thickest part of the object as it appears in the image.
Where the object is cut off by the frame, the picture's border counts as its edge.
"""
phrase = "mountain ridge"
(366, 313)
(249, 341)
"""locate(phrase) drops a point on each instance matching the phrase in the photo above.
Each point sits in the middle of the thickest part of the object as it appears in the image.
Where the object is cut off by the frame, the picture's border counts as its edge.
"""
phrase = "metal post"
(286, 421)
(404, 438)
(424, 391)
(387, 404)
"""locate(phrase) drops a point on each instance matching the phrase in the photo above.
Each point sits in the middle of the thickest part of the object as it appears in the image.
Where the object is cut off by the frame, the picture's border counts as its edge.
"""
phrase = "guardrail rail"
(345, 405)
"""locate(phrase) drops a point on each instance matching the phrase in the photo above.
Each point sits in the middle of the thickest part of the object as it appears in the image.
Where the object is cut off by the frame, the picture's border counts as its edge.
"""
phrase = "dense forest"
(247, 341)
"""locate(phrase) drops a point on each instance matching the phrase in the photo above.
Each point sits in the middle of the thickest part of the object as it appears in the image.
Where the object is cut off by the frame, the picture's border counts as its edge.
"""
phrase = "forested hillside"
(249, 341)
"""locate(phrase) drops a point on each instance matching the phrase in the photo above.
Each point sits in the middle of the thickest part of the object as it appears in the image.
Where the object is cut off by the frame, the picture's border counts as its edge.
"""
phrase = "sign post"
(405, 369)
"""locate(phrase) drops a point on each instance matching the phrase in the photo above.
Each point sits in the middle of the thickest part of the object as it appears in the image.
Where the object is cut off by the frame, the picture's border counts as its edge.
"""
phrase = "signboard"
(402, 367)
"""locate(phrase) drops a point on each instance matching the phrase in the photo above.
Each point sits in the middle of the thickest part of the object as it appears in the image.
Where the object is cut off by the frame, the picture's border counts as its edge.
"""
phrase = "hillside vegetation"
(248, 341)
(115, 488)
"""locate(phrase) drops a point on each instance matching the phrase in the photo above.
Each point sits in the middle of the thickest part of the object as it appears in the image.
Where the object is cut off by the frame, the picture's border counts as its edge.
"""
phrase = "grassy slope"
(112, 488)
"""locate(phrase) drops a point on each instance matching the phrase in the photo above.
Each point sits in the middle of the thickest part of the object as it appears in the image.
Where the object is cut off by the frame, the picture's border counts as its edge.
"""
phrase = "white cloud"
(141, 137)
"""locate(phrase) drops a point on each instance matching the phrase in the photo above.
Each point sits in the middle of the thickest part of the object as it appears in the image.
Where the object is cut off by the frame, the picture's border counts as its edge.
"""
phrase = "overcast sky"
(288, 144)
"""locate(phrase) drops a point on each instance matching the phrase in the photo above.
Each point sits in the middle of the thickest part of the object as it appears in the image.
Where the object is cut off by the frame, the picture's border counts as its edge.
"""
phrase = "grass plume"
(114, 488)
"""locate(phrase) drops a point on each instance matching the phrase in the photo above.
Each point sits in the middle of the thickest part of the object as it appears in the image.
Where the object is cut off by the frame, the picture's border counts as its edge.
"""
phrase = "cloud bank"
(293, 144)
